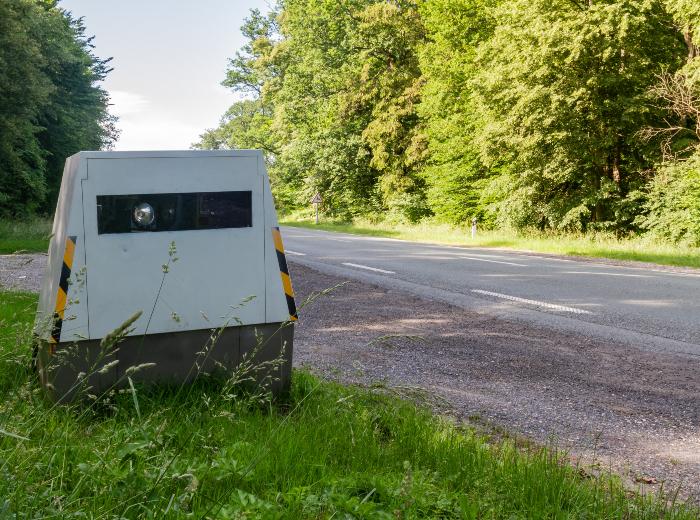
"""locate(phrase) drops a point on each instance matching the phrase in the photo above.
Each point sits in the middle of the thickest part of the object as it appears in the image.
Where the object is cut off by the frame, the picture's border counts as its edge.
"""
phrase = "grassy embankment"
(33, 236)
(593, 245)
(325, 451)
(24, 236)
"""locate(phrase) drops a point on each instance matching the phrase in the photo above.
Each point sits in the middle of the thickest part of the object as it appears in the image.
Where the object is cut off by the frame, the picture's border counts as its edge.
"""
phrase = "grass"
(24, 236)
(598, 245)
(324, 451)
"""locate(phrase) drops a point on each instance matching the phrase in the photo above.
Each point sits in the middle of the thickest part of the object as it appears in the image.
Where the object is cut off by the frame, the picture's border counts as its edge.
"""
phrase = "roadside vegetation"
(212, 450)
(567, 117)
(51, 102)
(597, 245)
(24, 236)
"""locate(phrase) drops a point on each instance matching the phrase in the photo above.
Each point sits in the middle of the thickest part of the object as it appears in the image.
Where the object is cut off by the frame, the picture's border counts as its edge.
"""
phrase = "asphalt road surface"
(650, 307)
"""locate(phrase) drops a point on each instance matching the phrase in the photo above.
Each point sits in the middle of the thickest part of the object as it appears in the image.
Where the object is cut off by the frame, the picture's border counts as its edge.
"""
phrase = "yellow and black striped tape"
(284, 273)
(62, 293)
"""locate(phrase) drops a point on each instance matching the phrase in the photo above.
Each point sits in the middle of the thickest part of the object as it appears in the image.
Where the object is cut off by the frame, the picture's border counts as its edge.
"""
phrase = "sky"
(169, 58)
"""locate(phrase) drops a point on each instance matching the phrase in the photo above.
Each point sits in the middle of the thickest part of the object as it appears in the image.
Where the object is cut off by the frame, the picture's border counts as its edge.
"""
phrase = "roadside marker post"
(473, 228)
(316, 200)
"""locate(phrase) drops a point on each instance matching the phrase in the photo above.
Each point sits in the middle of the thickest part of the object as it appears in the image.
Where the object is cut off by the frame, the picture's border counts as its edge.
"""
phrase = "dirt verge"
(22, 272)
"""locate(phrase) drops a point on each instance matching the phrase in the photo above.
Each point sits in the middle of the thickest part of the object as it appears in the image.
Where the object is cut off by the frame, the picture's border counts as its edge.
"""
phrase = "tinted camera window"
(174, 211)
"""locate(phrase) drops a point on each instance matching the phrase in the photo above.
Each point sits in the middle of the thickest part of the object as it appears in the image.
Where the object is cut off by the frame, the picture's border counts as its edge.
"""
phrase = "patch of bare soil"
(612, 407)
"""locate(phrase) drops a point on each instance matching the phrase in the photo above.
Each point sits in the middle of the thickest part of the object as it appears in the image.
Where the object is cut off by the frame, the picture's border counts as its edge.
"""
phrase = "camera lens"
(144, 214)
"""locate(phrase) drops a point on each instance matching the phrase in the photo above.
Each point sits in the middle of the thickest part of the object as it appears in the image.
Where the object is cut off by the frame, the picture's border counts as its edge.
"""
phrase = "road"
(649, 307)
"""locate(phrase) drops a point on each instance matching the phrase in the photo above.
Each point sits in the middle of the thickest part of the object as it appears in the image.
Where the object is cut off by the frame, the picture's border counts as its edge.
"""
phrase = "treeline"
(50, 104)
(572, 115)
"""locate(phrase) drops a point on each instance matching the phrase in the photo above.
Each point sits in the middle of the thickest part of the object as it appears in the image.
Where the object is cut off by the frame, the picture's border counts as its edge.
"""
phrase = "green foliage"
(454, 173)
(24, 89)
(322, 145)
(244, 125)
(525, 114)
(561, 93)
(76, 116)
(674, 203)
(340, 89)
(30, 235)
(389, 89)
(209, 451)
(686, 13)
(50, 105)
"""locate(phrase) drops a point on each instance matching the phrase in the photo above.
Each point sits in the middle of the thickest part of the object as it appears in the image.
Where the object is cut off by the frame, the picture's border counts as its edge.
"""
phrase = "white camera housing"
(122, 220)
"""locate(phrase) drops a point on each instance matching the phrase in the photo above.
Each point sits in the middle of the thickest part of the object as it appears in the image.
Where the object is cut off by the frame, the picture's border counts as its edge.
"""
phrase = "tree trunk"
(692, 48)
(616, 176)
(598, 210)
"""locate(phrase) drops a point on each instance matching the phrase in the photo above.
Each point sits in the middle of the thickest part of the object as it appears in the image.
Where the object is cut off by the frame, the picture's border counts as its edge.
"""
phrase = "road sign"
(316, 200)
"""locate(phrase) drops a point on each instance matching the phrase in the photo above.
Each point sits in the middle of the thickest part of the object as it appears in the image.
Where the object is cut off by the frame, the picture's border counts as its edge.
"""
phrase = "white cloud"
(126, 103)
(150, 132)
(145, 126)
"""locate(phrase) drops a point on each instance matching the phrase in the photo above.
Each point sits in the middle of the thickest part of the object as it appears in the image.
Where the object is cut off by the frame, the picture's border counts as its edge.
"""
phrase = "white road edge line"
(290, 252)
(611, 274)
(546, 305)
(360, 266)
(490, 261)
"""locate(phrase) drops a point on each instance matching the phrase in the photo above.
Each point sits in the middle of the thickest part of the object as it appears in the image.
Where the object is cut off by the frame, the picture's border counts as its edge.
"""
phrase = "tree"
(528, 113)
(76, 116)
(562, 94)
(24, 89)
(317, 120)
(673, 205)
(388, 88)
(340, 89)
(455, 175)
(50, 103)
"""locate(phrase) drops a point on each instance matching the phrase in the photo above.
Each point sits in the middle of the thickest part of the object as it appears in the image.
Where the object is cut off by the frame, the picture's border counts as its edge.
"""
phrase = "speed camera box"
(190, 240)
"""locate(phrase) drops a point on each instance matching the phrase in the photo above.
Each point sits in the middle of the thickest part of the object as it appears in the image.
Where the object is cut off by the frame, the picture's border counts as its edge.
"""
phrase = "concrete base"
(257, 353)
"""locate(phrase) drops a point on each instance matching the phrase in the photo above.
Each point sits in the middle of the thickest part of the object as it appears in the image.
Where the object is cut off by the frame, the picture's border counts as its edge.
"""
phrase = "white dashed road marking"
(289, 252)
(360, 266)
(546, 305)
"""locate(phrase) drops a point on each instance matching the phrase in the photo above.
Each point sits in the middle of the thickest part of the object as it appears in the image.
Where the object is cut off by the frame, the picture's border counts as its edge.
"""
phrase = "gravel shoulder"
(22, 272)
(611, 406)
